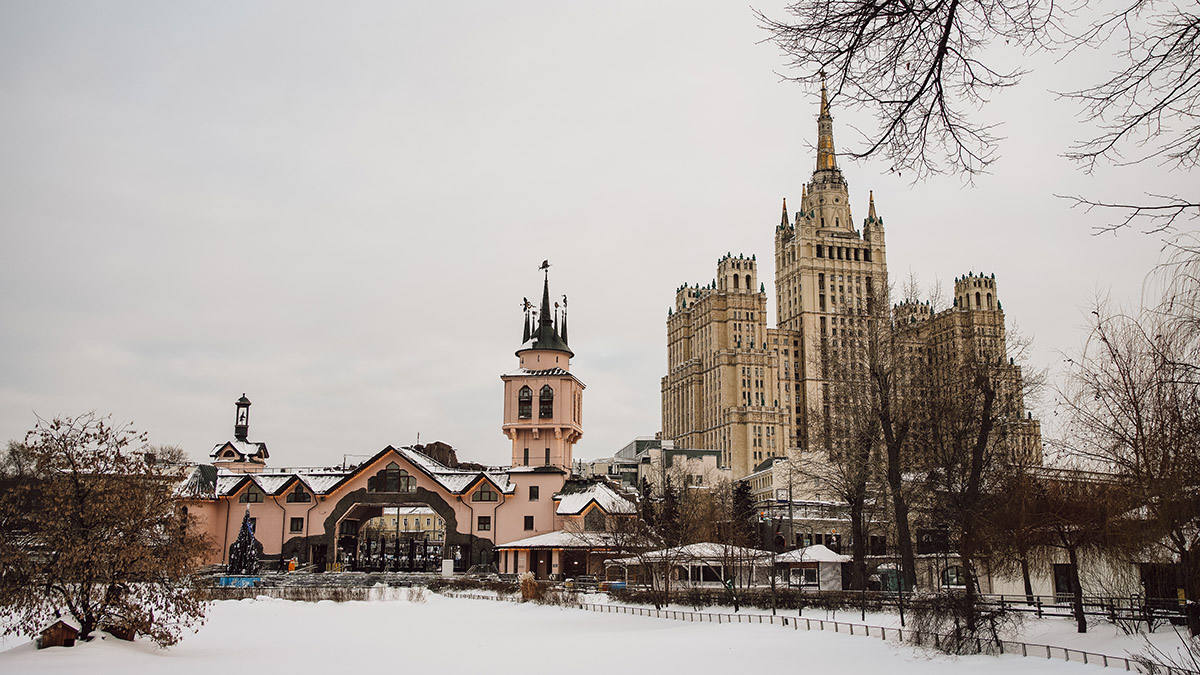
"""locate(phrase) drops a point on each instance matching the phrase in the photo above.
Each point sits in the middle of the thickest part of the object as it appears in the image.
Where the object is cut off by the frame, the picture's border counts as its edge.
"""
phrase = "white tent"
(706, 564)
(814, 567)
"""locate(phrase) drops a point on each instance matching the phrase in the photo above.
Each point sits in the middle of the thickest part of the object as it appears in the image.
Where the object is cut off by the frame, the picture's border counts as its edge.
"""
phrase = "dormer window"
(392, 479)
(595, 521)
(546, 402)
(252, 495)
(485, 493)
(525, 403)
(299, 495)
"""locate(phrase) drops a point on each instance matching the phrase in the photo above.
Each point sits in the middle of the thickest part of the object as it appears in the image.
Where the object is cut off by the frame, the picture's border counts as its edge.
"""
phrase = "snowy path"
(494, 637)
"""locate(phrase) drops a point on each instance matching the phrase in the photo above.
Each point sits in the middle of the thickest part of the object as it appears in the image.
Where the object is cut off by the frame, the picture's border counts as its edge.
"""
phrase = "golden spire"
(871, 213)
(826, 158)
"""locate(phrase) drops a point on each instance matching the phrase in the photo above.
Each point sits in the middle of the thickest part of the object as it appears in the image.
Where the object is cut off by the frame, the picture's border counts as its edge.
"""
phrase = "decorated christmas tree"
(243, 556)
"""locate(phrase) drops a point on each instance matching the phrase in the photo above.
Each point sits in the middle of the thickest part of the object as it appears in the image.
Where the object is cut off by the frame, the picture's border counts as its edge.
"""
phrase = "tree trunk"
(1076, 591)
(1189, 563)
(908, 560)
(858, 534)
(1029, 599)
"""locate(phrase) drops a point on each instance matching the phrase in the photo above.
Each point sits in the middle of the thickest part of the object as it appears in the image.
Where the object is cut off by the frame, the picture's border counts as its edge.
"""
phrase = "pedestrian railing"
(864, 630)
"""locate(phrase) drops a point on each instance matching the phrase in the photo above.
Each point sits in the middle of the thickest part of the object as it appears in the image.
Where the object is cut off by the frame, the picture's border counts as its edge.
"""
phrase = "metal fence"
(863, 630)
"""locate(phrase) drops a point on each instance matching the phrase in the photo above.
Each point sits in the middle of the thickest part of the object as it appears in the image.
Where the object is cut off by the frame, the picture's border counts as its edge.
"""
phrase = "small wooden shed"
(58, 634)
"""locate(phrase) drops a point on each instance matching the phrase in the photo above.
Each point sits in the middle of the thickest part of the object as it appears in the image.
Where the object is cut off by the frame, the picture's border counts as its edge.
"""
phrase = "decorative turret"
(241, 421)
(976, 292)
(545, 334)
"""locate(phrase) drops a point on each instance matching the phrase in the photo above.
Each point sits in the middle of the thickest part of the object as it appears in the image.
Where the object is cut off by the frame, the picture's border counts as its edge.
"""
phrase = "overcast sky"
(337, 208)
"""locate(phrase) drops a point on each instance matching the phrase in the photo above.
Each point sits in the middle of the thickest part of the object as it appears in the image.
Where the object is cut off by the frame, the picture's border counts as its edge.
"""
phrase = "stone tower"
(720, 388)
(543, 401)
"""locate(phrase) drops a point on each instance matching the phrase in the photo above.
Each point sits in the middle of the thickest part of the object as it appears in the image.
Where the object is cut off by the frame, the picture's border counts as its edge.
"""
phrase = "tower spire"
(871, 213)
(826, 158)
(784, 221)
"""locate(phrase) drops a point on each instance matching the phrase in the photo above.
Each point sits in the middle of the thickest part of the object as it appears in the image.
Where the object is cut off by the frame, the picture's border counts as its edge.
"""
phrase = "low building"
(654, 461)
(457, 513)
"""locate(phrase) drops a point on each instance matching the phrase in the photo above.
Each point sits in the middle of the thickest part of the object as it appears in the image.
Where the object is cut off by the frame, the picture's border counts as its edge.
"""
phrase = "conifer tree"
(243, 555)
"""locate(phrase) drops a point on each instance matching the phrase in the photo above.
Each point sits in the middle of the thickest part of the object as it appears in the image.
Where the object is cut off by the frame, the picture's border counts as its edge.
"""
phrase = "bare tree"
(926, 68)
(1084, 514)
(849, 436)
(91, 530)
(1133, 402)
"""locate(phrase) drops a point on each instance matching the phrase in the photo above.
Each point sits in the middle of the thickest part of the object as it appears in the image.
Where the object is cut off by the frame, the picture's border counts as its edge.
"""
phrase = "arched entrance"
(391, 538)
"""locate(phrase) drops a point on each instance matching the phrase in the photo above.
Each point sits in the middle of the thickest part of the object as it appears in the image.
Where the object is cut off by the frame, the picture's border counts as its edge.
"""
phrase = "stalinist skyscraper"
(755, 392)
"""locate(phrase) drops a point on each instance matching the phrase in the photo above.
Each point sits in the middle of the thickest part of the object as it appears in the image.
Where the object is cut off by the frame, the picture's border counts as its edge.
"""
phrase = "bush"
(530, 589)
(416, 594)
(940, 621)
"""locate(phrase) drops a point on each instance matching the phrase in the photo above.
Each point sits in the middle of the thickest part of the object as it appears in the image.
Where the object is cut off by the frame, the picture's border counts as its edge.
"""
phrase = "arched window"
(252, 495)
(748, 286)
(485, 493)
(391, 479)
(736, 280)
(525, 403)
(594, 521)
(989, 297)
(546, 402)
(977, 303)
(299, 495)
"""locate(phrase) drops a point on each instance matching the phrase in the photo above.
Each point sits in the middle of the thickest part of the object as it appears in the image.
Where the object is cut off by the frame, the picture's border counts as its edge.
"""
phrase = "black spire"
(525, 319)
(563, 332)
(544, 335)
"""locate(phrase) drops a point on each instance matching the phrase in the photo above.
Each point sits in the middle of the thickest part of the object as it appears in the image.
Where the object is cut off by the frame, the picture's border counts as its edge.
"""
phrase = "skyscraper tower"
(827, 273)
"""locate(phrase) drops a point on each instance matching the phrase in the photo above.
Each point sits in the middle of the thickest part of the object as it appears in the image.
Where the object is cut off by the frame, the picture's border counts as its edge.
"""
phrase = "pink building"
(317, 515)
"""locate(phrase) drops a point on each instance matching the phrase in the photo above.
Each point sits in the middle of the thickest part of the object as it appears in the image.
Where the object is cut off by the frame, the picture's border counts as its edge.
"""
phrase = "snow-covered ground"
(448, 634)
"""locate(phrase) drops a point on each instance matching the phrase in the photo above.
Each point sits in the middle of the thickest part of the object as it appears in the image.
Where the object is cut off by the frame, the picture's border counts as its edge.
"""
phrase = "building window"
(526, 462)
(533, 493)
(525, 403)
(485, 523)
(297, 525)
(546, 402)
(485, 493)
(252, 495)
(953, 577)
(528, 522)
(594, 521)
(299, 495)
(391, 479)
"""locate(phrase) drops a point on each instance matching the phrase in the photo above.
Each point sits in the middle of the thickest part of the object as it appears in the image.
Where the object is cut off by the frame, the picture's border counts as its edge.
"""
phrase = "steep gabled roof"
(577, 495)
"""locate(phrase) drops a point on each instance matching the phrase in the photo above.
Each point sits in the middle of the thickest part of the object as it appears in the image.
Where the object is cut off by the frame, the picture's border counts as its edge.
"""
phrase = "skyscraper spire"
(826, 158)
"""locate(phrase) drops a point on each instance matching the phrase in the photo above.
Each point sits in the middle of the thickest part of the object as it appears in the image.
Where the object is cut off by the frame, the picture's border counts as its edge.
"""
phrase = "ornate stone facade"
(755, 392)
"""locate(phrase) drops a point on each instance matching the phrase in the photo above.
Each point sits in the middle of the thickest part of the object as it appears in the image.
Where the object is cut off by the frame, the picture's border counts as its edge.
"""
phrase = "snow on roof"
(270, 482)
(525, 372)
(320, 483)
(322, 480)
(703, 551)
(454, 480)
(573, 502)
(562, 539)
(243, 448)
(815, 553)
